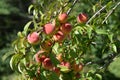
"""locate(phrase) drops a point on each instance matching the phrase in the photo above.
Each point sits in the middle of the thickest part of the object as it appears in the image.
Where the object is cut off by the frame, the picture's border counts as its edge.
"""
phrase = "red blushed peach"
(56, 70)
(77, 67)
(82, 18)
(33, 38)
(39, 57)
(62, 17)
(66, 64)
(47, 64)
(48, 28)
(66, 28)
(59, 36)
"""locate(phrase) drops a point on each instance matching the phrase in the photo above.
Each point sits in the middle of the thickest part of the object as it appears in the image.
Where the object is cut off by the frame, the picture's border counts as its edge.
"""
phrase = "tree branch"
(68, 12)
(98, 12)
(111, 11)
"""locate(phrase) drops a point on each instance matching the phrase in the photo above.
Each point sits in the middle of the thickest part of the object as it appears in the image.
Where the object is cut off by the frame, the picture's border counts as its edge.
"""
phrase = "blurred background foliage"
(14, 15)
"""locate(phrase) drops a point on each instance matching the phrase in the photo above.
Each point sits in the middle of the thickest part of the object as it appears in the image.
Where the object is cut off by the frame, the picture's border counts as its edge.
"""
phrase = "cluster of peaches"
(57, 34)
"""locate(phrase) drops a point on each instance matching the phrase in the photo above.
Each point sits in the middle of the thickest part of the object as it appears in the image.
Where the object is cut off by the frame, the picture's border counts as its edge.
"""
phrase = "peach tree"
(62, 43)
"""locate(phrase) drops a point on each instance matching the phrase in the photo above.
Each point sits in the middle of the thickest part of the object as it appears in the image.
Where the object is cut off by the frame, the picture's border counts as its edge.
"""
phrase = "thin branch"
(98, 12)
(68, 12)
(109, 57)
(110, 12)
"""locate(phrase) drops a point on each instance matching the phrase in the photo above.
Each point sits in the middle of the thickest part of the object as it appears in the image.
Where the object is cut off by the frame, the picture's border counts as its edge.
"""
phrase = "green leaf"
(89, 31)
(64, 69)
(114, 48)
(100, 31)
(29, 9)
(53, 76)
(15, 60)
(19, 34)
(114, 67)
(26, 27)
(20, 67)
(98, 77)
(53, 59)
(110, 36)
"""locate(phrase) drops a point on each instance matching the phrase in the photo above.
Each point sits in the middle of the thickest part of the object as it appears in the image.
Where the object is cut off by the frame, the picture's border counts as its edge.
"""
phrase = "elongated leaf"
(15, 60)
(114, 48)
(29, 9)
(26, 27)
(101, 31)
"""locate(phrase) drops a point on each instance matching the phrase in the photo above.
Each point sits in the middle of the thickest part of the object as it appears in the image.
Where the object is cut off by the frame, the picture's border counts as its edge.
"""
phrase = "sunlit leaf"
(15, 60)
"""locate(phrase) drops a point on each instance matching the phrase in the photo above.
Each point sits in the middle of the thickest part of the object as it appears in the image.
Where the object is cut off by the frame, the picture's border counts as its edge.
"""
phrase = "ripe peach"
(82, 18)
(33, 38)
(77, 67)
(39, 57)
(59, 36)
(66, 28)
(47, 64)
(56, 70)
(62, 17)
(48, 28)
(66, 64)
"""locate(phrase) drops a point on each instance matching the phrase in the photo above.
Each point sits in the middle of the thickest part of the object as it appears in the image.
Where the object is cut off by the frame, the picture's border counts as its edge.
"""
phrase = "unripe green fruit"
(33, 38)
(62, 17)
(48, 28)
(82, 18)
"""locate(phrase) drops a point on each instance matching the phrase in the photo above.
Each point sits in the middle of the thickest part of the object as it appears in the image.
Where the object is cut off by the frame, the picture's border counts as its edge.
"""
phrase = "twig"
(68, 12)
(98, 12)
(109, 57)
(110, 12)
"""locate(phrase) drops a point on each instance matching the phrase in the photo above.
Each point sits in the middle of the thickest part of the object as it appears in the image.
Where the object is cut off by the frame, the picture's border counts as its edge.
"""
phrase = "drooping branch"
(111, 11)
(110, 57)
(98, 12)
(68, 12)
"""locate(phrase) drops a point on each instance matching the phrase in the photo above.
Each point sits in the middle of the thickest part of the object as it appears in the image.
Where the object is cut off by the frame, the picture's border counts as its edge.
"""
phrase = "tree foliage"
(86, 52)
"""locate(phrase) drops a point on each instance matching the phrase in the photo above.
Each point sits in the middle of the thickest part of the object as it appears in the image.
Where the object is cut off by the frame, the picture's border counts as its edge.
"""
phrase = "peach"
(39, 57)
(63, 17)
(82, 18)
(66, 64)
(56, 70)
(33, 38)
(48, 28)
(47, 64)
(59, 36)
(77, 67)
(66, 28)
